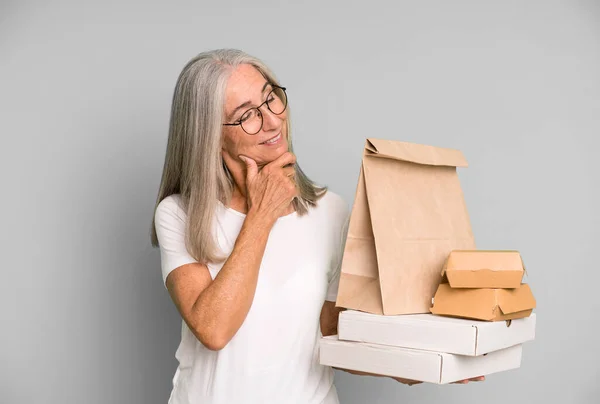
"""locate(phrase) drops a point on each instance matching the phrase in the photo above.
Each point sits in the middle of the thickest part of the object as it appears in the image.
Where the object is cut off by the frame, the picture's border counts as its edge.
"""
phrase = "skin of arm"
(215, 310)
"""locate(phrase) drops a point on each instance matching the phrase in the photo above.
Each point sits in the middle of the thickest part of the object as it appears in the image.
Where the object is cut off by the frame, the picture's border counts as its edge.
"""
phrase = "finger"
(283, 160)
(478, 379)
(289, 172)
(461, 382)
(251, 168)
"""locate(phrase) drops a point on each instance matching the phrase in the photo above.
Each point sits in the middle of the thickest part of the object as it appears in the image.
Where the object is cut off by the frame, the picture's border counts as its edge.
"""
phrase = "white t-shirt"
(273, 358)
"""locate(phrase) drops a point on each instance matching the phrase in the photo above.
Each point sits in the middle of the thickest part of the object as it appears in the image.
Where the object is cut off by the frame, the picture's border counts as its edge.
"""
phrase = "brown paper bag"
(408, 214)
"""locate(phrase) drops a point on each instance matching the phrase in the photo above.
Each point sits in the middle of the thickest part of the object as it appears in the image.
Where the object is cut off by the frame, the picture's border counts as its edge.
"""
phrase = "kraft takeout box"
(415, 364)
(483, 285)
(408, 214)
(484, 304)
(483, 269)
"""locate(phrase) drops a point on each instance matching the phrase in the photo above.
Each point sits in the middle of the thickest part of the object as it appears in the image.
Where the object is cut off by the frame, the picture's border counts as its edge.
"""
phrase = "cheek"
(234, 143)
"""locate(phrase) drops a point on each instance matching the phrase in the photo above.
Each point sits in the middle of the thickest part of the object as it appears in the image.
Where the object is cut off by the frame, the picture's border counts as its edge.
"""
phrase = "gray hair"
(193, 166)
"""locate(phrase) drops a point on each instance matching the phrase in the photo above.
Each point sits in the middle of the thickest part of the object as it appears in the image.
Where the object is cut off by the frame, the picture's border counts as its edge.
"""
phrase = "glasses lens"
(251, 121)
(277, 100)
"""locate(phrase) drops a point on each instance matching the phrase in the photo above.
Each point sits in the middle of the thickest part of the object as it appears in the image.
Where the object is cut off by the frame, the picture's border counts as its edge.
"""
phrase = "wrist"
(260, 219)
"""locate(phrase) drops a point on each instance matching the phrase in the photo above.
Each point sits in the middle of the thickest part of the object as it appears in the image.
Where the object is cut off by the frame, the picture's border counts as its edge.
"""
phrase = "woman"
(250, 247)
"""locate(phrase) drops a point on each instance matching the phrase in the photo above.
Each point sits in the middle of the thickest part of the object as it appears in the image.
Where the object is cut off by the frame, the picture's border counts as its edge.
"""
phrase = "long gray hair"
(194, 167)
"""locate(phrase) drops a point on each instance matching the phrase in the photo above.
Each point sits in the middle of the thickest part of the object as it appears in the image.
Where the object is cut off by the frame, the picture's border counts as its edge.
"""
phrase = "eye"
(251, 113)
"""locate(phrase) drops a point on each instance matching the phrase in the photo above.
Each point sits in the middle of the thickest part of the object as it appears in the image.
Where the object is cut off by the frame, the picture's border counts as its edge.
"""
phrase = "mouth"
(273, 141)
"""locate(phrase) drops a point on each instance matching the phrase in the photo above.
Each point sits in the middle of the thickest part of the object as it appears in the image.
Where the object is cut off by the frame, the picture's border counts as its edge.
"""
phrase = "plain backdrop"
(85, 92)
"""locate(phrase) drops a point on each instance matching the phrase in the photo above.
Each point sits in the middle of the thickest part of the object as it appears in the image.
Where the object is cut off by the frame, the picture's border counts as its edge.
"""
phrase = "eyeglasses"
(251, 121)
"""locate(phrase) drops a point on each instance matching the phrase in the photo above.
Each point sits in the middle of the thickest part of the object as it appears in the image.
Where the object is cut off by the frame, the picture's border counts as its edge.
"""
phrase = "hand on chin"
(264, 155)
(261, 157)
(266, 158)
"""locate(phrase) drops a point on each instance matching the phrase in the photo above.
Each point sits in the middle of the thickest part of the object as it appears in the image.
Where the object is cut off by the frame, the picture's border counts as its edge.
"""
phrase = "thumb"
(251, 167)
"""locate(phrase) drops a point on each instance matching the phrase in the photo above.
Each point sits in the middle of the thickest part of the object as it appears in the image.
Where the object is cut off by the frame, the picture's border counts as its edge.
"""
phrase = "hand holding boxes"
(433, 348)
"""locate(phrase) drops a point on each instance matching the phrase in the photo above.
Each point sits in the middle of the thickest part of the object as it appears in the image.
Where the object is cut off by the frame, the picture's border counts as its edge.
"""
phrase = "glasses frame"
(239, 121)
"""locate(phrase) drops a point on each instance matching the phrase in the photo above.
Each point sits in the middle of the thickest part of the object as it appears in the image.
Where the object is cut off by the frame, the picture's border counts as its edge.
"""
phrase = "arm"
(329, 318)
(215, 310)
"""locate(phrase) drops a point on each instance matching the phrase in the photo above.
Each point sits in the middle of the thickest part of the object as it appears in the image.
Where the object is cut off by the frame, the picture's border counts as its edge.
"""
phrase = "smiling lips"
(273, 140)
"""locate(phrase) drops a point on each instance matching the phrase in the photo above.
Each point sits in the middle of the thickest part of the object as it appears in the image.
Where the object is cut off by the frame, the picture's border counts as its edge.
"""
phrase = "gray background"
(85, 90)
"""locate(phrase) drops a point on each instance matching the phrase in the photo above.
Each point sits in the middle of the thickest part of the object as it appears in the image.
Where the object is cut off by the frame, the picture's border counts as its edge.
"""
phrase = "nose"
(270, 120)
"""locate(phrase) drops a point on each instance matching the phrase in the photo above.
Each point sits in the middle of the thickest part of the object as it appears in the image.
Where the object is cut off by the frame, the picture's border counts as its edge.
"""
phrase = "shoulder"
(170, 204)
(170, 212)
(334, 201)
(334, 207)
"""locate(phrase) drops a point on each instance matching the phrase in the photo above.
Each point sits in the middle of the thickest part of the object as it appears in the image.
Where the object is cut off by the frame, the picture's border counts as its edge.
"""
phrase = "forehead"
(244, 84)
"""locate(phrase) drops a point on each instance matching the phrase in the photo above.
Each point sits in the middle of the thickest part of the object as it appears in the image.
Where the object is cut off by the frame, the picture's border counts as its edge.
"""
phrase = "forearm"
(223, 306)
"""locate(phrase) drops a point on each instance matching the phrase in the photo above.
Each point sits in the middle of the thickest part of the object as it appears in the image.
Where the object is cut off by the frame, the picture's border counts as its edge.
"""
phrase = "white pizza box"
(435, 333)
(415, 364)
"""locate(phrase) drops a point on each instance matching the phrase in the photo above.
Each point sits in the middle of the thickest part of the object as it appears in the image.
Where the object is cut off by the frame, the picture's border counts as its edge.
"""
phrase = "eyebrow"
(247, 103)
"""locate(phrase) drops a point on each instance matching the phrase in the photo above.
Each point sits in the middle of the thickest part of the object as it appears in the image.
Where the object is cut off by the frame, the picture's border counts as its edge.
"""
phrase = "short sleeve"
(341, 220)
(170, 223)
(333, 286)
